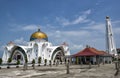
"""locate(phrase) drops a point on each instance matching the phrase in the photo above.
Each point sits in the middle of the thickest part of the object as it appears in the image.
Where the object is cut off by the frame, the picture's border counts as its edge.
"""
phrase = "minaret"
(110, 44)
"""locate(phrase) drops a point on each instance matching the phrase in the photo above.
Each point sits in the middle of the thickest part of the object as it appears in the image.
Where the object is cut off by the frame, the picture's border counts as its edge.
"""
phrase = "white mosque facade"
(38, 46)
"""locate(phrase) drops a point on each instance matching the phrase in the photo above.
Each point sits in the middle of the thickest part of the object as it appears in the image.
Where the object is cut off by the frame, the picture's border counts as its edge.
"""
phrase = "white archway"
(56, 52)
(20, 51)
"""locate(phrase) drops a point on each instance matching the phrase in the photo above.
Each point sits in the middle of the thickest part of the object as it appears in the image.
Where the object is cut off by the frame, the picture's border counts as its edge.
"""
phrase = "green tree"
(18, 62)
(39, 61)
(33, 63)
(0, 62)
(9, 61)
(45, 62)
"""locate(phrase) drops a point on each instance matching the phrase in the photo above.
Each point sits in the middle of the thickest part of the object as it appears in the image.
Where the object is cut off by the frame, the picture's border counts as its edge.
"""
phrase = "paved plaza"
(76, 71)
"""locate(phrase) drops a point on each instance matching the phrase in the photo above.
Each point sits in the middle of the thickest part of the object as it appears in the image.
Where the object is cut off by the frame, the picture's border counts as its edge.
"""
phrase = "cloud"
(2, 47)
(76, 47)
(77, 39)
(91, 34)
(69, 34)
(80, 19)
(95, 27)
(87, 12)
(20, 41)
(29, 27)
(1, 50)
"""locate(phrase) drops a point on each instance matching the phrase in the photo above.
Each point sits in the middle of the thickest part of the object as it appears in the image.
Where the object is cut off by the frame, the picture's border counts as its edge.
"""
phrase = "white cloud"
(87, 12)
(77, 39)
(96, 27)
(2, 47)
(77, 47)
(69, 34)
(20, 41)
(80, 19)
(117, 30)
(1, 50)
(93, 35)
(30, 27)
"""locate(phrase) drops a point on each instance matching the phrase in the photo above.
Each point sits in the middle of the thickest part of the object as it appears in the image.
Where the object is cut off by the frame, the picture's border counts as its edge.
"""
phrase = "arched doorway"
(18, 53)
(17, 56)
(58, 54)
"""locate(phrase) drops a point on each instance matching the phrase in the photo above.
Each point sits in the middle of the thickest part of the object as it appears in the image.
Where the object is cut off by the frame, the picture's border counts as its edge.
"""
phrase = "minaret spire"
(38, 29)
(110, 44)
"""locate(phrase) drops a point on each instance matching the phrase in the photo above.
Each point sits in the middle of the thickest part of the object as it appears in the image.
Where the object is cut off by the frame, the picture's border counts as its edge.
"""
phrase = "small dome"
(38, 35)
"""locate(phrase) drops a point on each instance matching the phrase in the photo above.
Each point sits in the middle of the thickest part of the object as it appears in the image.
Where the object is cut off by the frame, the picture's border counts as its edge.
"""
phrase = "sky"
(76, 22)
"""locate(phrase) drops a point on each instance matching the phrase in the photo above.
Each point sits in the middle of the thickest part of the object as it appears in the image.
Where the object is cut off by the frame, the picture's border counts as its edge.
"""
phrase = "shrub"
(45, 61)
(9, 61)
(39, 61)
(33, 63)
(0, 62)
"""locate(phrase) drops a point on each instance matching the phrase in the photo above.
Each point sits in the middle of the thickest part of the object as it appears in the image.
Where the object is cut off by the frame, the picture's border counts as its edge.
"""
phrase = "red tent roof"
(90, 52)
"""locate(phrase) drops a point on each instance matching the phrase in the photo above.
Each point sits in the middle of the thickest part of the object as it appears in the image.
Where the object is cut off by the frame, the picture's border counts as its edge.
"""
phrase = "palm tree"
(45, 62)
(33, 63)
(18, 62)
(39, 61)
(9, 61)
(0, 62)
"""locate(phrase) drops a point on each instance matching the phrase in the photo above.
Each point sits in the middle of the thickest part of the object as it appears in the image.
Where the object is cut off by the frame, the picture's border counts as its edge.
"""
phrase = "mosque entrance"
(17, 56)
(18, 53)
(58, 56)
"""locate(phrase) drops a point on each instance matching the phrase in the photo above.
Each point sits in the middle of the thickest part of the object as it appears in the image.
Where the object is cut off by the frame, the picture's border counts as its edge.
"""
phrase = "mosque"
(38, 46)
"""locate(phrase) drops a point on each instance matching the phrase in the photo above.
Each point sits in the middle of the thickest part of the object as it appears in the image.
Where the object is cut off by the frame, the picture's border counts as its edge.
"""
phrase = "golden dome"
(38, 35)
